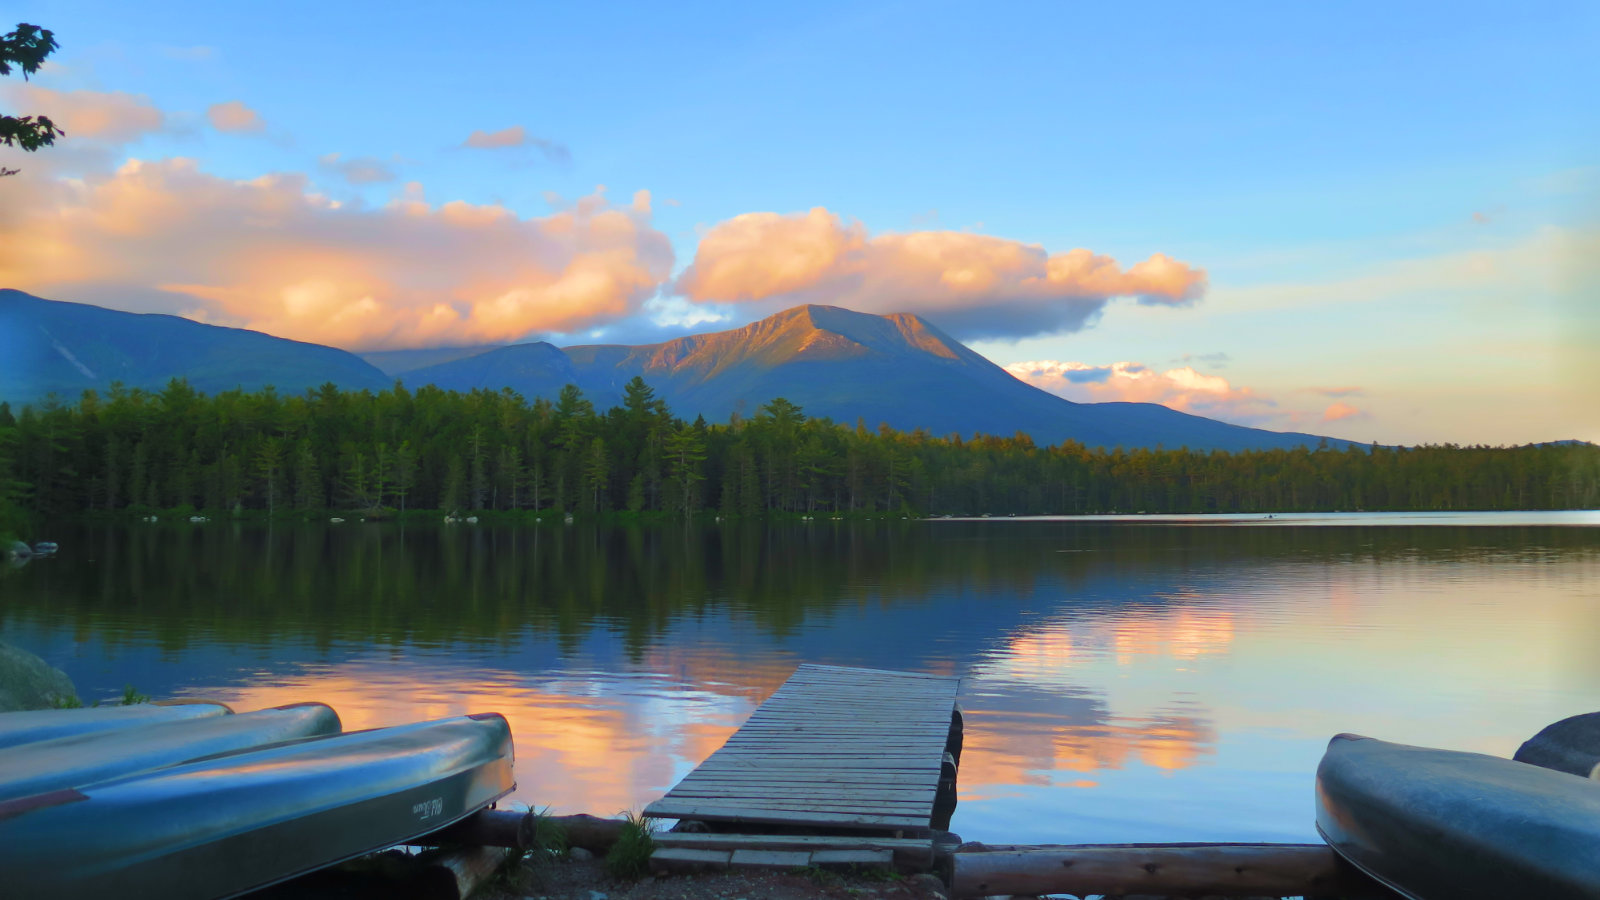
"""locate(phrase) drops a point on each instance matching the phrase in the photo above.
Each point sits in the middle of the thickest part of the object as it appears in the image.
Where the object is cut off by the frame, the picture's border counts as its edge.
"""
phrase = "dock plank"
(832, 746)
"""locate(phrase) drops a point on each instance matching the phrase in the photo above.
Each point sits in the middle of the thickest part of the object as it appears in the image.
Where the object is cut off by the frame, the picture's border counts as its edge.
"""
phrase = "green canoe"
(32, 725)
(1442, 825)
(219, 827)
(67, 762)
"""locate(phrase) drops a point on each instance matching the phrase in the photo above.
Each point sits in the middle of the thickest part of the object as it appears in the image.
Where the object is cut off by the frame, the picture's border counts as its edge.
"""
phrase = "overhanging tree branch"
(26, 48)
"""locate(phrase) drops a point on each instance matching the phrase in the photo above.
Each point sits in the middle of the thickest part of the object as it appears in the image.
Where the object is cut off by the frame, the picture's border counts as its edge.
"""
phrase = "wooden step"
(906, 853)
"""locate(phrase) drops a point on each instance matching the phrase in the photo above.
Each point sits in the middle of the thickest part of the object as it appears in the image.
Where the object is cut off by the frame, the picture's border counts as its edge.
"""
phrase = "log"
(592, 833)
(1226, 870)
(516, 830)
(455, 874)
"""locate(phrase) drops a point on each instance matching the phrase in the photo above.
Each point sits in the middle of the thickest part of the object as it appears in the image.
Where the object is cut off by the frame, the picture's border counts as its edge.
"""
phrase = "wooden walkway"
(834, 749)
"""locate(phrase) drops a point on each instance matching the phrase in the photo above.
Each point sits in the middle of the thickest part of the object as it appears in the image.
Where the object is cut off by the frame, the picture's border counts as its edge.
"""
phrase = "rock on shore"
(28, 682)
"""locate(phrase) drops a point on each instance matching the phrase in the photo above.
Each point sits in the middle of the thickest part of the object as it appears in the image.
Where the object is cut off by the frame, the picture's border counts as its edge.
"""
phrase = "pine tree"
(308, 492)
(686, 454)
(269, 467)
(455, 482)
(404, 472)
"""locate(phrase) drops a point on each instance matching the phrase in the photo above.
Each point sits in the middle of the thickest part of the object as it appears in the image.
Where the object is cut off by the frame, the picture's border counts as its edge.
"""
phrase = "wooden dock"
(853, 757)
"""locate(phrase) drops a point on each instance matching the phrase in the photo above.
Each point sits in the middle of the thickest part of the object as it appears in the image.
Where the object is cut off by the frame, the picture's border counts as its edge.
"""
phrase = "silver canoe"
(219, 827)
(1443, 825)
(68, 762)
(31, 725)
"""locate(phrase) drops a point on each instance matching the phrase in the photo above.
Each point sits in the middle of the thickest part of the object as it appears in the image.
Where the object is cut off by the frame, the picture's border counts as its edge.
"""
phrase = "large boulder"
(28, 682)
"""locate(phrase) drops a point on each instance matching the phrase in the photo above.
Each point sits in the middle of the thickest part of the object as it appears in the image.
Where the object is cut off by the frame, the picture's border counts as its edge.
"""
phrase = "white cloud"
(1183, 389)
(112, 117)
(974, 286)
(270, 253)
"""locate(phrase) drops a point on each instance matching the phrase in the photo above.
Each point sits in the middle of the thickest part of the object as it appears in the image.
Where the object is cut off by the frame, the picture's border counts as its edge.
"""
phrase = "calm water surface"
(1127, 680)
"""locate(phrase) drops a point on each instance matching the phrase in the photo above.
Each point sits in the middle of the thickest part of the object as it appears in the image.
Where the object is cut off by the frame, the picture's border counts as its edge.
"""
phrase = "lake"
(1124, 678)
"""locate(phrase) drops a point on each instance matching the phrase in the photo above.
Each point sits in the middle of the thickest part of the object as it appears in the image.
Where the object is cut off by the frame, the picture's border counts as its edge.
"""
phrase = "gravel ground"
(585, 880)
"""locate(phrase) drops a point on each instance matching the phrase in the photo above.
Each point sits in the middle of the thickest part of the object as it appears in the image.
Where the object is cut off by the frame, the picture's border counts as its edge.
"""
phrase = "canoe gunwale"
(1364, 869)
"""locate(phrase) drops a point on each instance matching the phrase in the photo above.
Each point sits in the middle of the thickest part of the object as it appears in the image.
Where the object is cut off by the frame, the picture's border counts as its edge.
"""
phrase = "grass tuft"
(549, 837)
(525, 872)
(629, 857)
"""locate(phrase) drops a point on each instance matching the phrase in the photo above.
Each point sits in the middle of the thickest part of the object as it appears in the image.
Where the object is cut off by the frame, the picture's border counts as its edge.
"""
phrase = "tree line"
(399, 450)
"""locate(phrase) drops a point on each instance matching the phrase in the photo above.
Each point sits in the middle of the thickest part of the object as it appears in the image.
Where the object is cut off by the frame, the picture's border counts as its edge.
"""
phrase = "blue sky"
(1396, 207)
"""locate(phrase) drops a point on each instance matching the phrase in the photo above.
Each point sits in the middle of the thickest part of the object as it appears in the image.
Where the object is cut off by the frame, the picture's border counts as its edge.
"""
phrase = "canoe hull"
(27, 726)
(68, 762)
(221, 827)
(1436, 824)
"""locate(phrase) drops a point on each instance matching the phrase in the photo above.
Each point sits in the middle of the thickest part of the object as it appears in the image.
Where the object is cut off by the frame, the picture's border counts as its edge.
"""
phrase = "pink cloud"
(271, 254)
(234, 117)
(1183, 389)
(515, 136)
(973, 285)
(110, 117)
(1341, 410)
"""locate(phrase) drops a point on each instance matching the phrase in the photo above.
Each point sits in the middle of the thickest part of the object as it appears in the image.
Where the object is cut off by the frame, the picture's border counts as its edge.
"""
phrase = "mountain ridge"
(899, 369)
(59, 347)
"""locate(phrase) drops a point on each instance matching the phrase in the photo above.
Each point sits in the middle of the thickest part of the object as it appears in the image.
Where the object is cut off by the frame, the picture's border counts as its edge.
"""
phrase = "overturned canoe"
(218, 827)
(1571, 745)
(1437, 824)
(31, 725)
(86, 758)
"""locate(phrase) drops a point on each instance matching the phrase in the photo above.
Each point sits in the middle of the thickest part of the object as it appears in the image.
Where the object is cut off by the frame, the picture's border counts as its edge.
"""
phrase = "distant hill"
(397, 362)
(48, 346)
(539, 365)
(898, 369)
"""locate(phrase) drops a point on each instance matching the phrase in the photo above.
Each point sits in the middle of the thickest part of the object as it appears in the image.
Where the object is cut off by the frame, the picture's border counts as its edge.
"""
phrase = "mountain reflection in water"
(1122, 680)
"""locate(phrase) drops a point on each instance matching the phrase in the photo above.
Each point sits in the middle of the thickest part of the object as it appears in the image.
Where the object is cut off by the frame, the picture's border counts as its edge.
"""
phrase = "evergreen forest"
(400, 452)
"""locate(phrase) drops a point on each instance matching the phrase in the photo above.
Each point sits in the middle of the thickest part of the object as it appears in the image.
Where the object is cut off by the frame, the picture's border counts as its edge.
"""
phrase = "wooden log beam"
(518, 831)
(454, 874)
(1226, 870)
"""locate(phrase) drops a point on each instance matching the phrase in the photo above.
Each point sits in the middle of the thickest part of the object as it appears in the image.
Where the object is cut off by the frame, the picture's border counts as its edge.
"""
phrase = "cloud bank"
(110, 117)
(972, 285)
(1183, 389)
(272, 254)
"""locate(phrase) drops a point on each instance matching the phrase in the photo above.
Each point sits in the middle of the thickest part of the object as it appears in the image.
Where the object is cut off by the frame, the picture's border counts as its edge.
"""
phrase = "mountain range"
(848, 366)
